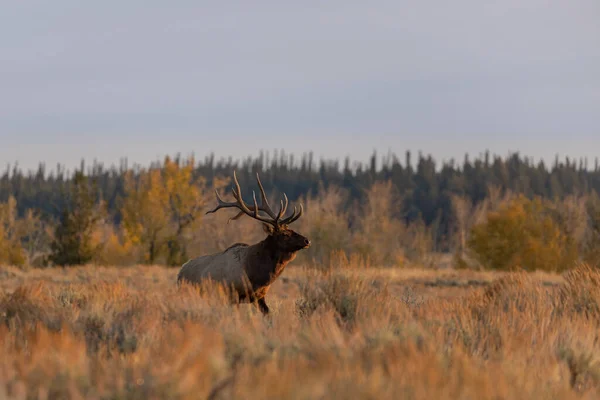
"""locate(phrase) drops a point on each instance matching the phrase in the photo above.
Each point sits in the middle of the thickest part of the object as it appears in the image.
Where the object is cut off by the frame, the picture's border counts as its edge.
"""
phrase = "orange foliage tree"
(161, 206)
(522, 235)
(11, 251)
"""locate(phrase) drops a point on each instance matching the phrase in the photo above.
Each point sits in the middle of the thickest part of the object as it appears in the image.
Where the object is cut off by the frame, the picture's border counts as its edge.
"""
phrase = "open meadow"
(347, 333)
(272, 200)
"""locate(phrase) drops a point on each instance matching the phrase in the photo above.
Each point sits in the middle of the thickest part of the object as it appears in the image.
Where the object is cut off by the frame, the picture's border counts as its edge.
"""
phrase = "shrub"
(381, 236)
(522, 235)
(349, 295)
(325, 224)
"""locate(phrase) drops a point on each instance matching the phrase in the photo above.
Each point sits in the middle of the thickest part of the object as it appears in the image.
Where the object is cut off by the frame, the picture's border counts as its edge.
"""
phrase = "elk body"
(250, 269)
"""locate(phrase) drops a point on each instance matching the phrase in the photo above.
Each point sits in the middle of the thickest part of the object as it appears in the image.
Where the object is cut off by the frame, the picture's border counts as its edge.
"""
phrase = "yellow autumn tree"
(115, 248)
(522, 235)
(185, 194)
(144, 212)
(25, 240)
(160, 208)
(591, 246)
(11, 250)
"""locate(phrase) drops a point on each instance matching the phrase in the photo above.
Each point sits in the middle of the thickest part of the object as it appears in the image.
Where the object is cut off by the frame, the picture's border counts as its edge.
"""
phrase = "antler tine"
(237, 186)
(220, 203)
(284, 204)
(237, 216)
(237, 194)
(299, 213)
(255, 203)
(280, 213)
(263, 199)
(293, 217)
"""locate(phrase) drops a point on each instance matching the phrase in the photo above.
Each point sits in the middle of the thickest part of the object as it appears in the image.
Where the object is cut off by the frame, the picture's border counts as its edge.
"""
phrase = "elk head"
(274, 224)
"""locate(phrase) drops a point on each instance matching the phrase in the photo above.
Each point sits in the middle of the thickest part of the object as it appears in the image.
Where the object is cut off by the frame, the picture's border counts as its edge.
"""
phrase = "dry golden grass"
(129, 333)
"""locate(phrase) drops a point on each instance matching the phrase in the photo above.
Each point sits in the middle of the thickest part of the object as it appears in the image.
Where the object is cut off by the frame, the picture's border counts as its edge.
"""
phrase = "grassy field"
(130, 333)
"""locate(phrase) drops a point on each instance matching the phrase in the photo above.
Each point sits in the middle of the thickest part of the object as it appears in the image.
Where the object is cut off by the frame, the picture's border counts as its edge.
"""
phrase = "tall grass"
(130, 333)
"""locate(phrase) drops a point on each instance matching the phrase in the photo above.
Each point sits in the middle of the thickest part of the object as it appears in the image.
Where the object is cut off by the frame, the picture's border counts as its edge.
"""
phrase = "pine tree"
(73, 244)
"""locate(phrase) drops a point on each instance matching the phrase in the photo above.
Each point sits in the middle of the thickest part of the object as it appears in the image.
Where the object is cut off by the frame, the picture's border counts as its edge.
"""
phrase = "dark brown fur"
(266, 261)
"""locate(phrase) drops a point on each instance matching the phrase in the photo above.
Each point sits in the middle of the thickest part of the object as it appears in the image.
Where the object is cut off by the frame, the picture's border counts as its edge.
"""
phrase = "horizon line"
(382, 159)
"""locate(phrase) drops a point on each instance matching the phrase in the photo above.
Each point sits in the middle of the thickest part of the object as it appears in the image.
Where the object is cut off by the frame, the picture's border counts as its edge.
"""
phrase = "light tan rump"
(226, 267)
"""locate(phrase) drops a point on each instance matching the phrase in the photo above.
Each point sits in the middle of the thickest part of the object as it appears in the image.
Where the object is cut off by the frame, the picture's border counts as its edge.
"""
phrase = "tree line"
(155, 214)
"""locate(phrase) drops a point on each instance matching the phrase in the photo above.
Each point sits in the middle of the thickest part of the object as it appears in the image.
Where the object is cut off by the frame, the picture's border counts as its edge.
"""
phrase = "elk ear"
(268, 229)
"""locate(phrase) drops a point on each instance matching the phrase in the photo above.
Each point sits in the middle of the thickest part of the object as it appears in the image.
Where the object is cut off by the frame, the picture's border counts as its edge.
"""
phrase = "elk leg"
(262, 305)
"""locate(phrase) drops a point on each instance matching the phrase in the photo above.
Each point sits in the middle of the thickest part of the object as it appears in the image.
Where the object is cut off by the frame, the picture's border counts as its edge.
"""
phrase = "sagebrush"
(111, 333)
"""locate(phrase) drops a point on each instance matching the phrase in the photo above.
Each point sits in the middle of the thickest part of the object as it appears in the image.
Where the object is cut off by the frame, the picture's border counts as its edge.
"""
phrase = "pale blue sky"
(141, 79)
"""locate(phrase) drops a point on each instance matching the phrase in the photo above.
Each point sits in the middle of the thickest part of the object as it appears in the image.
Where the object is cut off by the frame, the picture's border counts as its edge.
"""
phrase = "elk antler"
(253, 210)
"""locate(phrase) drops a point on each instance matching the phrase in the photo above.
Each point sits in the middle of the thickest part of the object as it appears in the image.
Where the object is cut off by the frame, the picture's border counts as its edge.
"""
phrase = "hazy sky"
(141, 79)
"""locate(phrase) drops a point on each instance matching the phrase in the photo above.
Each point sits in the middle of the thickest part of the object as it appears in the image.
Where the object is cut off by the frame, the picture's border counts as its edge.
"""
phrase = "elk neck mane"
(265, 261)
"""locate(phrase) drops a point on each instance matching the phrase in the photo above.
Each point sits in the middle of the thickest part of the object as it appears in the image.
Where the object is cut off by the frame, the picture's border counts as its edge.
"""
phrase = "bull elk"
(250, 269)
